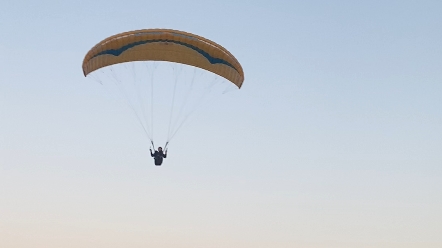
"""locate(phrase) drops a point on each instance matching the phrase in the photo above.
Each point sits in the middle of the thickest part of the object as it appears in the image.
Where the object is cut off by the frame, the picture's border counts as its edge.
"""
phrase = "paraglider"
(158, 156)
(179, 49)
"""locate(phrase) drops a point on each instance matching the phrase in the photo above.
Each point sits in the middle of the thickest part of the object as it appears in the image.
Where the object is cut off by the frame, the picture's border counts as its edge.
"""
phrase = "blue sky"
(333, 141)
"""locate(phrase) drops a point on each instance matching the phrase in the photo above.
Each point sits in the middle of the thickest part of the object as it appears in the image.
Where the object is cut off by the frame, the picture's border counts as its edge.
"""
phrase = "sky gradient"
(334, 140)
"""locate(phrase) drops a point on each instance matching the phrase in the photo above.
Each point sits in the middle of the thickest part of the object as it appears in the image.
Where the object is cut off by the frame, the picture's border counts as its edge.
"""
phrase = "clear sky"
(334, 140)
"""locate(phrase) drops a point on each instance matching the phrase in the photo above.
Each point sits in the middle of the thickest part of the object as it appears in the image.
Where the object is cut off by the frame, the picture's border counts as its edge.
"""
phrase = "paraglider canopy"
(181, 68)
(164, 45)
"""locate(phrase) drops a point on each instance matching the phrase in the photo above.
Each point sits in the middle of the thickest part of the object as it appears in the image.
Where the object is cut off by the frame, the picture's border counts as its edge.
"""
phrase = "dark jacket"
(158, 157)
